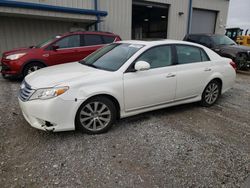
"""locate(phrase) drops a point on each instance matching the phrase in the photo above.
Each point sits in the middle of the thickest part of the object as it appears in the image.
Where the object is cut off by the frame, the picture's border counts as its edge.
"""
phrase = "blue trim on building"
(190, 12)
(36, 6)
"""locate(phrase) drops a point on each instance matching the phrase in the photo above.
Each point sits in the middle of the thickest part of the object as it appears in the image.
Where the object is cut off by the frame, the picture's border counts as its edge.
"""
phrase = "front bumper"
(9, 67)
(54, 114)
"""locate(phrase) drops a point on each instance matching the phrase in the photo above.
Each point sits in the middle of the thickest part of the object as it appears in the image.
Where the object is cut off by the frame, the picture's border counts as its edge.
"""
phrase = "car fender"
(32, 60)
(215, 75)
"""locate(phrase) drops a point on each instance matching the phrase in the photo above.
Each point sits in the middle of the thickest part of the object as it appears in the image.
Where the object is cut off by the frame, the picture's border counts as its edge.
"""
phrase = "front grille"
(25, 92)
(5, 67)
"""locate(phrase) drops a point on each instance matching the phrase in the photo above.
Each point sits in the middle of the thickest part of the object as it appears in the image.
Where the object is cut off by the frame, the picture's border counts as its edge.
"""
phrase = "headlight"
(15, 56)
(48, 93)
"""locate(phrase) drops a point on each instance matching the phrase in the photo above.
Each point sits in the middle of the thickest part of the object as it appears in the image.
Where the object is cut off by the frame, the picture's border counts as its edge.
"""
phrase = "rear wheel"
(96, 115)
(241, 61)
(211, 93)
(32, 67)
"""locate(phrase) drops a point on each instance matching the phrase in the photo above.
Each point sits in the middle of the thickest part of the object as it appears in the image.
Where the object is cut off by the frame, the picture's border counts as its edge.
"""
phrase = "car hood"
(235, 48)
(60, 74)
(17, 50)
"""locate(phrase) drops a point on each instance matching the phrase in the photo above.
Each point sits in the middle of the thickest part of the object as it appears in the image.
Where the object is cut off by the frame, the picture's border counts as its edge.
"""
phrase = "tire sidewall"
(105, 101)
(28, 66)
(203, 101)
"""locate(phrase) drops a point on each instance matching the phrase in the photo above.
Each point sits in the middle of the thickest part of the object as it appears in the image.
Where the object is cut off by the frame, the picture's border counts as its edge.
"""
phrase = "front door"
(68, 50)
(154, 86)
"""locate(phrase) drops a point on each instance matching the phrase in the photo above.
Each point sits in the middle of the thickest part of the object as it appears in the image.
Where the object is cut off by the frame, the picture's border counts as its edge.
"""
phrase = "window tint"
(189, 54)
(204, 56)
(111, 57)
(108, 39)
(69, 42)
(193, 38)
(91, 40)
(205, 41)
(157, 57)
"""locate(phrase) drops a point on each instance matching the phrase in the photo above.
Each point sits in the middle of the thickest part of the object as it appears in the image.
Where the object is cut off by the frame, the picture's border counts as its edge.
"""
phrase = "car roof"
(90, 32)
(205, 34)
(159, 42)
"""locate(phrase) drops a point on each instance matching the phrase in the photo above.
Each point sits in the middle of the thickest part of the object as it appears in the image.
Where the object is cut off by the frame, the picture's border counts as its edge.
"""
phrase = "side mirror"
(142, 65)
(55, 47)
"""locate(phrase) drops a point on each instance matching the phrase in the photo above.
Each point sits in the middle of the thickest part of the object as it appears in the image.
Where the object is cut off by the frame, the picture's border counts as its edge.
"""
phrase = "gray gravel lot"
(184, 146)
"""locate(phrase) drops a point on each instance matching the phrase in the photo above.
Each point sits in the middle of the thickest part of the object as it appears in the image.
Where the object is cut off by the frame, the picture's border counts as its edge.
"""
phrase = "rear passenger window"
(90, 40)
(189, 54)
(71, 41)
(108, 39)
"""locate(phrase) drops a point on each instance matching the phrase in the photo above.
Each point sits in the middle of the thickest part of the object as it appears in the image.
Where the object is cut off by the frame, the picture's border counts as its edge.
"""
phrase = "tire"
(4, 76)
(241, 61)
(96, 116)
(32, 67)
(211, 93)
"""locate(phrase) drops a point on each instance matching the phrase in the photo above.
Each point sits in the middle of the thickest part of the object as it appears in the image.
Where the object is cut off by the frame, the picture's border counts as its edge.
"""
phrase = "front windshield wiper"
(83, 62)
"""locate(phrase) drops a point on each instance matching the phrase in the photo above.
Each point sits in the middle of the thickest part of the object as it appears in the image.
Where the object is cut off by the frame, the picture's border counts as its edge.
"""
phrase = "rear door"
(193, 70)
(91, 43)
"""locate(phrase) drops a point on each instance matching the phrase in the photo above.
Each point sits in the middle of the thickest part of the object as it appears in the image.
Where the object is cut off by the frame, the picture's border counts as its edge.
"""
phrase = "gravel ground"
(184, 146)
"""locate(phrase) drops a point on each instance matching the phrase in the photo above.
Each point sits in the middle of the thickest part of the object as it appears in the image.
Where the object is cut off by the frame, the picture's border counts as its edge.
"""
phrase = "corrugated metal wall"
(119, 19)
(87, 4)
(22, 32)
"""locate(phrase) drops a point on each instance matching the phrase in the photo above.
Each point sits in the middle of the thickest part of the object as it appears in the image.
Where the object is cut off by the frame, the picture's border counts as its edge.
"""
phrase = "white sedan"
(123, 79)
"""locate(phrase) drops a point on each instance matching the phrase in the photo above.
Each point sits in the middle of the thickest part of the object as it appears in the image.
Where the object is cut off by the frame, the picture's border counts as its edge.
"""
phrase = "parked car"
(123, 79)
(66, 48)
(224, 46)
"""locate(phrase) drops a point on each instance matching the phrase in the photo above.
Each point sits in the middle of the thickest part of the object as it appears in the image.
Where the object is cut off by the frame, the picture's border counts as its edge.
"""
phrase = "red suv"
(60, 49)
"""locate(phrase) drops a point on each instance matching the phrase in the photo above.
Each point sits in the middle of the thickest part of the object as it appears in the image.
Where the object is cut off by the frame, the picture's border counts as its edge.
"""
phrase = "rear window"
(193, 38)
(190, 54)
(108, 39)
(90, 40)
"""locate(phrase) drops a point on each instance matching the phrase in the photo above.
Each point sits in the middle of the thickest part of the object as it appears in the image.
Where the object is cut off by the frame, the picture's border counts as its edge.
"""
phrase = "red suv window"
(90, 40)
(69, 42)
(108, 39)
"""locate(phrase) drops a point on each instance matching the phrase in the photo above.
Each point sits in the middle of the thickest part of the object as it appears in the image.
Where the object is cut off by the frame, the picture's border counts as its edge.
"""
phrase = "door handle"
(170, 75)
(207, 69)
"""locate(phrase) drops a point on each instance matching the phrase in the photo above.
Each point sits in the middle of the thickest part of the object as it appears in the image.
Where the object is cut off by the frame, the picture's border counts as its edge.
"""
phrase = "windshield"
(46, 42)
(111, 57)
(222, 40)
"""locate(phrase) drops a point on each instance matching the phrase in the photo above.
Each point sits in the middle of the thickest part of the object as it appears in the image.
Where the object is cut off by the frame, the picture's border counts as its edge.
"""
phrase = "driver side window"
(159, 56)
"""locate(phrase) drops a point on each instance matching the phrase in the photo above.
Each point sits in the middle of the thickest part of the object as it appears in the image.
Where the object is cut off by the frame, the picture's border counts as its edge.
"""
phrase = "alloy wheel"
(33, 69)
(95, 116)
(212, 93)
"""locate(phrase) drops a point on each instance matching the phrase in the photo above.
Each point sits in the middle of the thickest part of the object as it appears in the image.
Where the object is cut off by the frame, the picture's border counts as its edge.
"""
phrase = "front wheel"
(4, 76)
(96, 115)
(32, 67)
(211, 93)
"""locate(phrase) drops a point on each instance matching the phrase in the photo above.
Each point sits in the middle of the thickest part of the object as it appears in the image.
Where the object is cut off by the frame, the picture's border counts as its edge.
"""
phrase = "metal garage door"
(203, 21)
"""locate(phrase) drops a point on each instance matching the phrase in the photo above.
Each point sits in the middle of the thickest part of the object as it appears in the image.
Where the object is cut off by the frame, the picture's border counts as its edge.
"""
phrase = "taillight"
(233, 64)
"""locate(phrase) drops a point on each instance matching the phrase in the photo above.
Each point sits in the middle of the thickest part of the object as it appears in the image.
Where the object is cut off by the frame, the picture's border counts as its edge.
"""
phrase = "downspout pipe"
(190, 13)
(97, 16)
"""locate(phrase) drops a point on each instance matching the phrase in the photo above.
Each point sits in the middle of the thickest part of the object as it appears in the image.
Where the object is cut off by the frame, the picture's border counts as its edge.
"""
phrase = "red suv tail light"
(233, 64)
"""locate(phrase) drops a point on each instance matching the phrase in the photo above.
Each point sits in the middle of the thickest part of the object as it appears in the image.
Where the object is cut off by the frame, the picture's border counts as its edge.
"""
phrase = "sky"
(239, 14)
